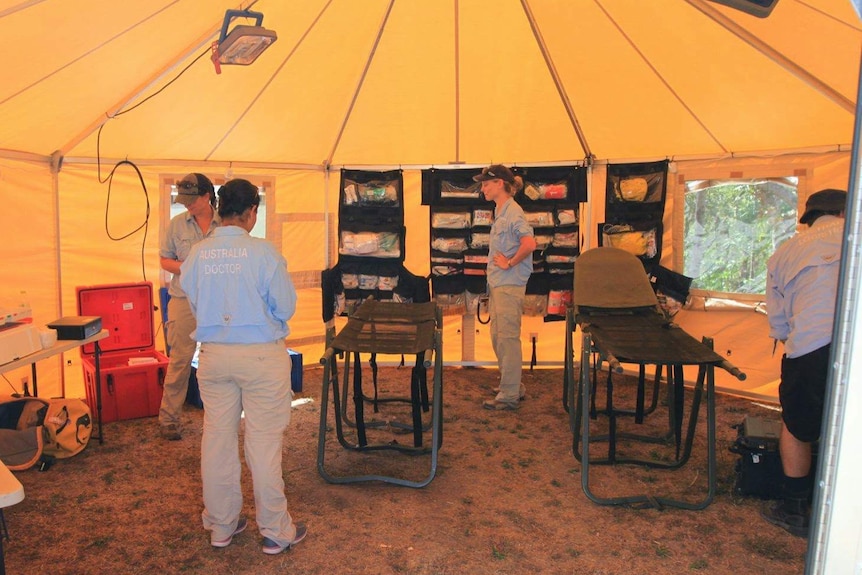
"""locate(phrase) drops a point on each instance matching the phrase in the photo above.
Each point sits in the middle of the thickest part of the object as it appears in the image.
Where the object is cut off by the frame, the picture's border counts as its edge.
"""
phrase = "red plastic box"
(132, 371)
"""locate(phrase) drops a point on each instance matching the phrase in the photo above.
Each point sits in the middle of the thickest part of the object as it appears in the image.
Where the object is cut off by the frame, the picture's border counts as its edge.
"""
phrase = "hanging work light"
(244, 43)
(759, 8)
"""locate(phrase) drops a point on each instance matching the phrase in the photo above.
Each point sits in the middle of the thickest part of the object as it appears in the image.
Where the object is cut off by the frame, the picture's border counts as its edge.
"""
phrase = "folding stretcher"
(620, 321)
(388, 328)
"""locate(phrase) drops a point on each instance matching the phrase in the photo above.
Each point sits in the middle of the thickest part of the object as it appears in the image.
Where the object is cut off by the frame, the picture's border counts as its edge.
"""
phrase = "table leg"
(97, 354)
(35, 384)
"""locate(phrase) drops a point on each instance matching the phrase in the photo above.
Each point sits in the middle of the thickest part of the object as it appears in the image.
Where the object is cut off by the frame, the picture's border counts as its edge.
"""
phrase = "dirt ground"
(507, 498)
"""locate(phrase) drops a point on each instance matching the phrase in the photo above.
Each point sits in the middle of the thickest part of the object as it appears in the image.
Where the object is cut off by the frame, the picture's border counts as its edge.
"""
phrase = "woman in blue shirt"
(510, 264)
(242, 297)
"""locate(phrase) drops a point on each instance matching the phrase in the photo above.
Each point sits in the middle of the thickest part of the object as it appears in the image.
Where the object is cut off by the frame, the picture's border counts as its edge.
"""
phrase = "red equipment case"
(132, 371)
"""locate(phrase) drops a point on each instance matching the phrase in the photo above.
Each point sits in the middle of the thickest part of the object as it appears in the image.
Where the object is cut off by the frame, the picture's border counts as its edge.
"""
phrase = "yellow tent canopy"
(383, 83)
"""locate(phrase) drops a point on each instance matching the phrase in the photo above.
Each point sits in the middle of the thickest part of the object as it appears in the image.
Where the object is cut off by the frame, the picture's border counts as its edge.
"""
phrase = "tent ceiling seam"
(839, 149)
(24, 156)
(140, 89)
(828, 15)
(271, 79)
(18, 7)
(555, 76)
(87, 53)
(661, 78)
(457, 83)
(356, 92)
(83, 160)
(789, 65)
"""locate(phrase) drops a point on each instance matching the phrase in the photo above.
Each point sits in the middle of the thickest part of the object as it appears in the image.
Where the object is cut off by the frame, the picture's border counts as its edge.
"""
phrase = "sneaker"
(495, 405)
(171, 432)
(270, 547)
(240, 527)
(521, 397)
(788, 517)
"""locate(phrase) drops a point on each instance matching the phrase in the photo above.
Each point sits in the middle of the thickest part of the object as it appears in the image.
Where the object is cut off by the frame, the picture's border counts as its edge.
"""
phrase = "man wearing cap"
(801, 289)
(510, 264)
(197, 193)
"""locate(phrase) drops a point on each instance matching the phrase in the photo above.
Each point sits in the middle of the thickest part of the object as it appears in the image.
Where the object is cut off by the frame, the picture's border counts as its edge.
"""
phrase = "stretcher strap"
(373, 363)
(358, 401)
(533, 358)
(678, 403)
(639, 408)
(422, 374)
(416, 388)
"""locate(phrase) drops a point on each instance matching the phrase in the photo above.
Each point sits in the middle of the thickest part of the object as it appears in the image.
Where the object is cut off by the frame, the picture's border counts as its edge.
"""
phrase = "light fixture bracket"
(244, 43)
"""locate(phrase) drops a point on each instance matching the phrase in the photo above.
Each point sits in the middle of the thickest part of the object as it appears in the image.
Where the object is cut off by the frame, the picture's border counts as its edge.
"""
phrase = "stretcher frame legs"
(578, 397)
(330, 383)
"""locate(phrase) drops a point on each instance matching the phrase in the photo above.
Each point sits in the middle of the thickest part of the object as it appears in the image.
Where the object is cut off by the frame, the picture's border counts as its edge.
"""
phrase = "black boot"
(793, 514)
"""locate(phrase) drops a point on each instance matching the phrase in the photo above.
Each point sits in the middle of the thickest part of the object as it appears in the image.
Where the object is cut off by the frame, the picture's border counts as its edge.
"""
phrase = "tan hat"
(193, 186)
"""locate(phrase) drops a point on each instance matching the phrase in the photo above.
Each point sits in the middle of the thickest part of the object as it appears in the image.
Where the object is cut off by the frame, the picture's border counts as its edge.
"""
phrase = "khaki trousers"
(254, 379)
(505, 305)
(181, 323)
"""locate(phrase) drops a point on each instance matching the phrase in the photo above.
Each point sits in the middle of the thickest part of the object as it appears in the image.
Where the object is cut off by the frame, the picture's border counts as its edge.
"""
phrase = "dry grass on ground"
(507, 499)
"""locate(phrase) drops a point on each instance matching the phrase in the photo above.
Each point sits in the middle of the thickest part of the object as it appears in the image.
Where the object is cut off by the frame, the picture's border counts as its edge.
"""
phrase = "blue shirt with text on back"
(238, 288)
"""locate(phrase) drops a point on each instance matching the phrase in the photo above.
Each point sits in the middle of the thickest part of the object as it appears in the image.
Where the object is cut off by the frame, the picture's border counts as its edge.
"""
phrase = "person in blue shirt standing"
(242, 297)
(510, 264)
(197, 194)
(801, 290)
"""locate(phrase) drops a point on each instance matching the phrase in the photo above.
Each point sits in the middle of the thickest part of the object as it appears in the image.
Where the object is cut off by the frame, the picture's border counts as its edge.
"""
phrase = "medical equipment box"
(132, 372)
(77, 327)
(18, 340)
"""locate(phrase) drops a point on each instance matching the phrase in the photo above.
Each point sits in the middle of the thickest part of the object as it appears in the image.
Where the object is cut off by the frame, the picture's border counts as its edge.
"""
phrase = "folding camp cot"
(620, 321)
(389, 328)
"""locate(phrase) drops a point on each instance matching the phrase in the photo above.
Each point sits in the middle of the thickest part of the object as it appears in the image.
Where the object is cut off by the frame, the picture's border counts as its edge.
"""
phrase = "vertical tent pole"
(834, 523)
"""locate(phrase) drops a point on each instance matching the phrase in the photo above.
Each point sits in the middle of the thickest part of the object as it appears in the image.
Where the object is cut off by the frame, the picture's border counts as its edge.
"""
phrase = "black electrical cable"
(126, 111)
(110, 177)
(145, 226)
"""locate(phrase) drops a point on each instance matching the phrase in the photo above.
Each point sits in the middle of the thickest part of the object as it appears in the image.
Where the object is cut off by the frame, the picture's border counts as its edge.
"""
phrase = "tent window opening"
(732, 227)
(259, 230)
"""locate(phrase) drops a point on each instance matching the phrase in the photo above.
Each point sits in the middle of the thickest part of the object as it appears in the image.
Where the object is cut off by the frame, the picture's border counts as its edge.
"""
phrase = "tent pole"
(327, 222)
(361, 82)
(710, 12)
(561, 90)
(55, 190)
(271, 79)
(587, 213)
(25, 156)
(145, 85)
(834, 522)
(457, 83)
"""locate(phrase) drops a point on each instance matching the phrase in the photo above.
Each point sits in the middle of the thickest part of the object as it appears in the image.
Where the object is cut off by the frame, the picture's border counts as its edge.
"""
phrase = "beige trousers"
(254, 379)
(181, 323)
(505, 306)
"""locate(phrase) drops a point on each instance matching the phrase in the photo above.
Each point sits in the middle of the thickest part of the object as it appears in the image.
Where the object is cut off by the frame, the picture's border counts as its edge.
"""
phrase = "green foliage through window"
(731, 229)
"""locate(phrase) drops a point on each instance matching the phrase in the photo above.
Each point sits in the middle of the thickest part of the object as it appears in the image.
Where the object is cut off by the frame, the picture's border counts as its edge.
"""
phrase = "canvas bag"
(32, 428)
